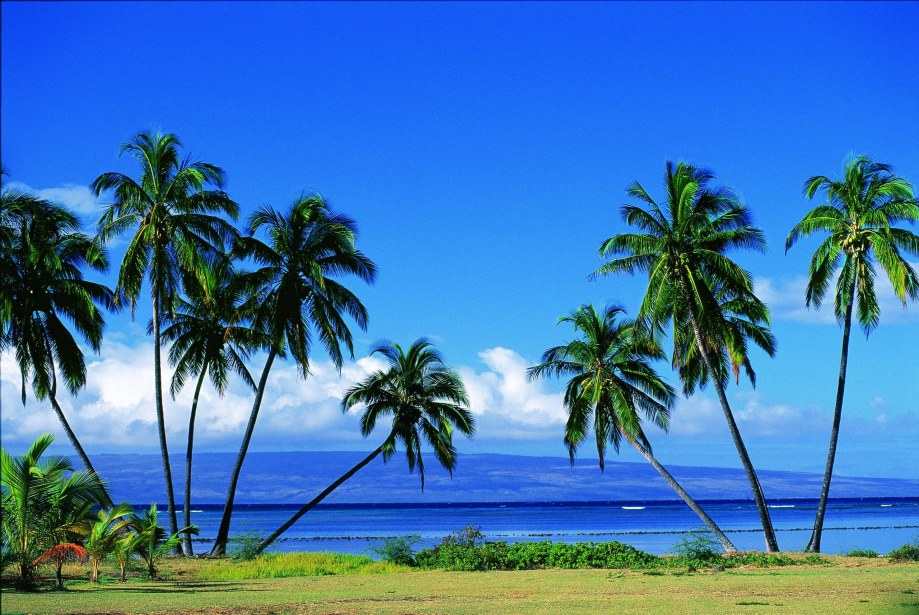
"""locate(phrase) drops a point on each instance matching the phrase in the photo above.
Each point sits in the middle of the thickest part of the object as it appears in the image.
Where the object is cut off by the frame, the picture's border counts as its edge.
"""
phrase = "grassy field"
(849, 585)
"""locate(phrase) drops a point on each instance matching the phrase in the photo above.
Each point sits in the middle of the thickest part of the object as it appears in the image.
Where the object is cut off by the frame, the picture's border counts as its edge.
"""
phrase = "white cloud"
(503, 390)
(701, 415)
(115, 411)
(785, 297)
(76, 197)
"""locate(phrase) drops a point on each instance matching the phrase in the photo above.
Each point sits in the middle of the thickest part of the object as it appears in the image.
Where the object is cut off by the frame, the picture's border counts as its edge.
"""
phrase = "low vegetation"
(192, 586)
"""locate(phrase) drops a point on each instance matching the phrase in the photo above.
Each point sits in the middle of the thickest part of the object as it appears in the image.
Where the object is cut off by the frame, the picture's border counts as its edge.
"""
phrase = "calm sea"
(655, 527)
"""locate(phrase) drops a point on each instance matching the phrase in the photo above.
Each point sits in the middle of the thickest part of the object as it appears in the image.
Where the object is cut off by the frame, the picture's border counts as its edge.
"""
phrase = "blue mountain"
(296, 477)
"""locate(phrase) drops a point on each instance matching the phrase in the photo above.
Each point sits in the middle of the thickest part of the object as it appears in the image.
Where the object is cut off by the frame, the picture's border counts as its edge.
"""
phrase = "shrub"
(397, 549)
(244, 547)
(906, 553)
(464, 551)
(698, 548)
(862, 553)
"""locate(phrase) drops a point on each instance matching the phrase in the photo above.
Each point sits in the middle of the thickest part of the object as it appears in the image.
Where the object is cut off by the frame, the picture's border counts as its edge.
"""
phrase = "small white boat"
(633, 508)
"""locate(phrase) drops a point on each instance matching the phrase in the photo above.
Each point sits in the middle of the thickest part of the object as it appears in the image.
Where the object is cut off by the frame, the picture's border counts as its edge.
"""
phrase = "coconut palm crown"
(612, 382)
(860, 215)
(426, 400)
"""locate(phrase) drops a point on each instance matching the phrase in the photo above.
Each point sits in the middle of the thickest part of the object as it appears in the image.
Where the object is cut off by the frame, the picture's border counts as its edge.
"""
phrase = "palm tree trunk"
(765, 519)
(312, 503)
(161, 420)
(107, 501)
(813, 546)
(708, 521)
(186, 503)
(223, 532)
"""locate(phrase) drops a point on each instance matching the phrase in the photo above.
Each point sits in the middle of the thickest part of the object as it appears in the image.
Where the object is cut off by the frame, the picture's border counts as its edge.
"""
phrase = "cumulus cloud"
(785, 297)
(503, 390)
(702, 416)
(115, 411)
(77, 197)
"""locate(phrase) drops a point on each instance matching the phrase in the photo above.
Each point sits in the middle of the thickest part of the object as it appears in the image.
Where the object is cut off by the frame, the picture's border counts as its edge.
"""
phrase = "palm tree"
(612, 383)
(307, 248)
(109, 527)
(209, 336)
(41, 503)
(150, 540)
(172, 215)
(860, 215)
(427, 402)
(681, 244)
(44, 255)
(68, 519)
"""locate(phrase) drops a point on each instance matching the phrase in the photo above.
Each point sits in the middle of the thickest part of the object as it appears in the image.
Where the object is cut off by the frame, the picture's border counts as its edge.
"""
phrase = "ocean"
(881, 524)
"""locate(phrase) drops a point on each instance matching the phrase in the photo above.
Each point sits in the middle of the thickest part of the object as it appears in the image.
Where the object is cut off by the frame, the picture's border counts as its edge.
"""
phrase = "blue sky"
(484, 150)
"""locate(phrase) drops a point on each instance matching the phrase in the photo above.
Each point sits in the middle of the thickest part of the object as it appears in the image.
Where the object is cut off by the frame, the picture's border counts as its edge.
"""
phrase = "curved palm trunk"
(312, 503)
(765, 519)
(813, 546)
(186, 502)
(708, 521)
(107, 501)
(223, 532)
(161, 421)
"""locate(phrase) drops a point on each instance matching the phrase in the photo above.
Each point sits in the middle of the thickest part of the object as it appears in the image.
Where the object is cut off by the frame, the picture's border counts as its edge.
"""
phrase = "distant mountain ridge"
(296, 477)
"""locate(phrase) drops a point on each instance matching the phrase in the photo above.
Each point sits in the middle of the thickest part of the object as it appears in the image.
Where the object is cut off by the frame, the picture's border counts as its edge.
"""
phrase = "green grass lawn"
(848, 585)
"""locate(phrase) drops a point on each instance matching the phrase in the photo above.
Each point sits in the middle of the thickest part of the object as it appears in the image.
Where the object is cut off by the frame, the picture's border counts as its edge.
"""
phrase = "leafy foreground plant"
(397, 549)
(151, 541)
(466, 550)
(906, 553)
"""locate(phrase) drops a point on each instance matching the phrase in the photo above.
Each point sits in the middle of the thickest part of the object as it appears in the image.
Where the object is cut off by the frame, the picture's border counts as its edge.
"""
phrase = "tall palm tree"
(308, 247)
(613, 383)
(44, 255)
(427, 402)
(210, 335)
(860, 214)
(176, 229)
(681, 243)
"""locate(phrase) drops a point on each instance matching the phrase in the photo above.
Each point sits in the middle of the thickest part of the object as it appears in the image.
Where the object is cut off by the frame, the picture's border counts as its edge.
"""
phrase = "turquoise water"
(654, 527)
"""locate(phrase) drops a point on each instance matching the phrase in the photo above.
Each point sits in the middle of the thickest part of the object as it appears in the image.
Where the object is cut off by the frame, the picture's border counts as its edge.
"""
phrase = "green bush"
(697, 549)
(397, 549)
(906, 553)
(244, 547)
(461, 555)
(862, 553)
